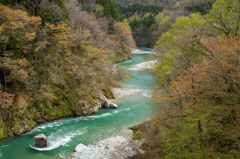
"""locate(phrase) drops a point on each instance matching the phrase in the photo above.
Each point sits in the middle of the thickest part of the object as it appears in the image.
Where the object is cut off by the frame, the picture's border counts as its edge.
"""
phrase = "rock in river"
(107, 103)
(41, 141)
(80, 147)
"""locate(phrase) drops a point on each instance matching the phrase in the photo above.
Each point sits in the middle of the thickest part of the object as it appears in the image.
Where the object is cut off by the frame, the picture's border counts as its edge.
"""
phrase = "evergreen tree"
(111, 9)
(116, 14)
(107, 9)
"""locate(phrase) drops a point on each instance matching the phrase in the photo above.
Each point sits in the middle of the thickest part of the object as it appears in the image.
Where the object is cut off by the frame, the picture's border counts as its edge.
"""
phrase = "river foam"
(59, 123)
(61, 140)
(123, 92)
(143, 65)
(118, 111)
(65, 134)
(138, 51)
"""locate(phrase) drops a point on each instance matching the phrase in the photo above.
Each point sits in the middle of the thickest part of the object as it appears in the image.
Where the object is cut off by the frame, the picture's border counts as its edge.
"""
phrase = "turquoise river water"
(65, 134)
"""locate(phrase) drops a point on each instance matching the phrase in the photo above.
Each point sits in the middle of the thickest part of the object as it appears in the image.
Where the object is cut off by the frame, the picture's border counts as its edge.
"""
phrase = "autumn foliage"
(54, 70)
(199, 111)
(197, 94)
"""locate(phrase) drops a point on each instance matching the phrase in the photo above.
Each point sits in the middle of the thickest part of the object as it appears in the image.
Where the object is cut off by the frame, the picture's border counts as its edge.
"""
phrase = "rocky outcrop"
(134, 127)
(107, 103)
(91, 109)
(101, 102)
(41, 141)
(113, 147)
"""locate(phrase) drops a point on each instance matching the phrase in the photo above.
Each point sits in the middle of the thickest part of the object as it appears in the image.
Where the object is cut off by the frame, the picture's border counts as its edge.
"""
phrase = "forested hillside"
(55, 58)
(198, 88)
(163, 3)
(149, 19)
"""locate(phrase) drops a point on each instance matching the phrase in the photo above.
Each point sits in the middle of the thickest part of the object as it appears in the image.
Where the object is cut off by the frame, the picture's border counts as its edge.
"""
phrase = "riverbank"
(113, 147)
(65, 134)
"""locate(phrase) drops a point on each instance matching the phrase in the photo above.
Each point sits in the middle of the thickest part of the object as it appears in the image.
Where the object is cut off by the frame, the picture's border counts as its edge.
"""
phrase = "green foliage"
(7, 2)
(135, 21)
(154, 9)
(125, 21)
(202, 8)
(198, 86)
(2, 135)
(108, 93)
(180, 48)
(148, 20)
(14, 45)
(101, 2)
(179, 139)
(99, 10)
(56, 71)
(52, 11)
(111, 9)
(224, 17)
(163, 19)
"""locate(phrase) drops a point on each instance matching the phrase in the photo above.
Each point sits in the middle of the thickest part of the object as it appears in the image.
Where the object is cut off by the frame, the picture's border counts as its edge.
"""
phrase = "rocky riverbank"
(113, 147)
(101, 102)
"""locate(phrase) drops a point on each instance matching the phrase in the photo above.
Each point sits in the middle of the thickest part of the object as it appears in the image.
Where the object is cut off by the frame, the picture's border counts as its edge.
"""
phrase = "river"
(65, 134)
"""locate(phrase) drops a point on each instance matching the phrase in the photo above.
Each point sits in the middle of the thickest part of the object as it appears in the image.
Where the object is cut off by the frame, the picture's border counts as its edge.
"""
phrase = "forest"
(55, 58)
(197, 90)
(148, 22)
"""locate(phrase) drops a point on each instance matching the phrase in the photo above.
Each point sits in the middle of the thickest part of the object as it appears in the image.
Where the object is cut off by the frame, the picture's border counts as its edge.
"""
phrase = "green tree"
(224, 17)
(135, 21)
(148, 20)
(180, 47)
(99, 11)
(107, 9)
(116, 13)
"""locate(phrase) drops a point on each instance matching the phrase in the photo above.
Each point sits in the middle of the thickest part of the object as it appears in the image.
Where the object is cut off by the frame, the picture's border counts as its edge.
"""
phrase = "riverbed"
(64, 135)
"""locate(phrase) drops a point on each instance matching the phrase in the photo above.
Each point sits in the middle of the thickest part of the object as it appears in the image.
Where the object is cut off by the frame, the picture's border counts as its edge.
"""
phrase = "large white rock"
(80, 147)
(107, 103)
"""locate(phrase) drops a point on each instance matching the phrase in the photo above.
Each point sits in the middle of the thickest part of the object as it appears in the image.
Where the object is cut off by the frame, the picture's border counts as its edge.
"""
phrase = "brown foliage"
(209, 94)
(6, 100)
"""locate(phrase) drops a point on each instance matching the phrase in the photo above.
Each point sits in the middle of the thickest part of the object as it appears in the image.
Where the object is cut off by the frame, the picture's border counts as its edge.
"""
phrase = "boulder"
(80, 147)
(41, 141)
(102, 99)
(112, 105)
(85, 112)
(107, 103)
(99, 105)
(95, 109)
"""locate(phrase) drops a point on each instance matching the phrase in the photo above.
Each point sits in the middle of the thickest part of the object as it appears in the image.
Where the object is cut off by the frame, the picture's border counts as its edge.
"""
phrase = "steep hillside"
(142, 2)
(197, 88)
(164, 3)
(55, 59)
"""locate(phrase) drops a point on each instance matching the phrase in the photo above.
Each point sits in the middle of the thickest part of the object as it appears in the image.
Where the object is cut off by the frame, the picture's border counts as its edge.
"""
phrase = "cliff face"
(55, 66)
